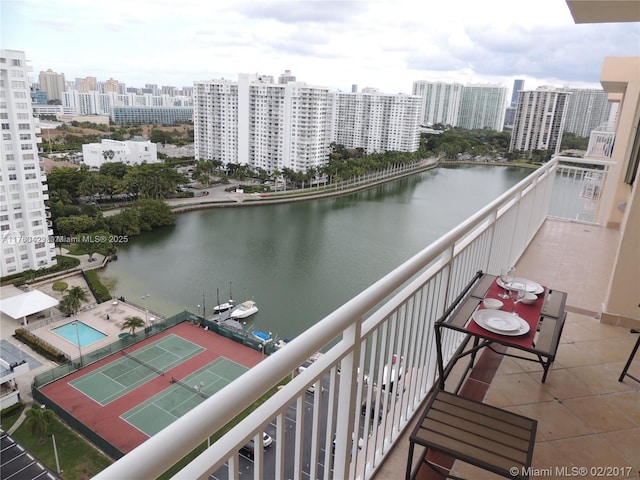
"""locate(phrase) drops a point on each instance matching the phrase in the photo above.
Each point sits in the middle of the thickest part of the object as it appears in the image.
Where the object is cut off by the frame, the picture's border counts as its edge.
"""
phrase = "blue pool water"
(83, 333)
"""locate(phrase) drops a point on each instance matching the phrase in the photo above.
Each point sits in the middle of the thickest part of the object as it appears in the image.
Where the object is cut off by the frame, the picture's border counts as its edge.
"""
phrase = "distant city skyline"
(386, 45)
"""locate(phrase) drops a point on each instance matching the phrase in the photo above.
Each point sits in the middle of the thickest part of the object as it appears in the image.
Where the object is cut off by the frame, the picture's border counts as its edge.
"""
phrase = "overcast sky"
(386, 44)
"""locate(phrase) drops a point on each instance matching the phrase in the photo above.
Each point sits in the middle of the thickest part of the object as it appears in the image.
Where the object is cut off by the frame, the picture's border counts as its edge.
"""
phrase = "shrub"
(60, 286)
(99, 290)
(41, 347)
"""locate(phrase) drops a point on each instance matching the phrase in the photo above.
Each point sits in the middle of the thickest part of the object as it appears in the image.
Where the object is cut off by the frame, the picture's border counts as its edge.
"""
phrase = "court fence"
(240, 336)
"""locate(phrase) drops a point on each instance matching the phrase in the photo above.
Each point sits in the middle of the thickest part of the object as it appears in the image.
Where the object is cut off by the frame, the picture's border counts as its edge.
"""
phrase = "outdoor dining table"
(545, 317)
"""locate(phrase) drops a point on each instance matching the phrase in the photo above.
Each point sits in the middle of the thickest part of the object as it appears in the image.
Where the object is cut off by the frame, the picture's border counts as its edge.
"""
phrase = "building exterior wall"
(273, 126)
(587, 109)
(440, 101)
(24, 218)
(53, 83)
(621, 80)
(129, 152)
(482, 106)
(151, 115)
(539, 120)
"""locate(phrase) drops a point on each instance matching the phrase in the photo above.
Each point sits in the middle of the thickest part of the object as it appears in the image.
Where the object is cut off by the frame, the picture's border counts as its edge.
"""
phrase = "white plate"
(484, 319)
(504, 323)
(529, 285)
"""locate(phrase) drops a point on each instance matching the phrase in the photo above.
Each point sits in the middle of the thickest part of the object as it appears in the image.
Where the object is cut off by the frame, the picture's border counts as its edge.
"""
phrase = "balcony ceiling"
(604, 11)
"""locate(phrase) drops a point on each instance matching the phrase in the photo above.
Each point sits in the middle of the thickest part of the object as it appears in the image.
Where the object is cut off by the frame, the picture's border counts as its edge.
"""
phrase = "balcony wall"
(382, 334)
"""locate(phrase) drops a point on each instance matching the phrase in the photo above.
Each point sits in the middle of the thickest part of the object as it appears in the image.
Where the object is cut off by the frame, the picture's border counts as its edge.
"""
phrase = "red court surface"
(106, 421)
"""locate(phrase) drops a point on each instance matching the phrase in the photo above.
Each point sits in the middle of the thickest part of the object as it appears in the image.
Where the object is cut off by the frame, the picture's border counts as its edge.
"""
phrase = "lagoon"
(300, 261)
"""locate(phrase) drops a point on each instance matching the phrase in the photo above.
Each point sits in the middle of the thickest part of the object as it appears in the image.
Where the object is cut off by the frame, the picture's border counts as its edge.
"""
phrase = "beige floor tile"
(602, 379)
(521, 388)
(627, 443)
(629, 403)
(563, 384)
(555, 421)
(598, 414)
(589, 452)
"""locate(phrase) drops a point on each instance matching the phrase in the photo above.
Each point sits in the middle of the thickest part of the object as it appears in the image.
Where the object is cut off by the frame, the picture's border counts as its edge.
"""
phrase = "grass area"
(10, 415)
(73, 248)
(182, 463)
(79, 460)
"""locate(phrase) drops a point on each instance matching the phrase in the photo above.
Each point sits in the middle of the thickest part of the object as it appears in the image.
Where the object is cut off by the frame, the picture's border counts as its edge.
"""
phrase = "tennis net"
(195, 389)
(144, 364)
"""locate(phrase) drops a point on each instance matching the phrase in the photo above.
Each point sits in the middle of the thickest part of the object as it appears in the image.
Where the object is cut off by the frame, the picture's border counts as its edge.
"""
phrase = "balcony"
(533, 225)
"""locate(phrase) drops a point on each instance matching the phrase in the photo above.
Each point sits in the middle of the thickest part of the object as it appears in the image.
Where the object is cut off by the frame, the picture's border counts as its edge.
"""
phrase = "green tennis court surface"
(182, 395)
(135, 368)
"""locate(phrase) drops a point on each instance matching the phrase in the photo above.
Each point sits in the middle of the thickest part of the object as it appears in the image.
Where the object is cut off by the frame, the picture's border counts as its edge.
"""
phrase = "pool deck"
(107, 318)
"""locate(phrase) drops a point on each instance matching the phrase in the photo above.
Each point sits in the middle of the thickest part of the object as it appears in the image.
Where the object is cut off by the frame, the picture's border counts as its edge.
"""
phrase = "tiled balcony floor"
(586, 418)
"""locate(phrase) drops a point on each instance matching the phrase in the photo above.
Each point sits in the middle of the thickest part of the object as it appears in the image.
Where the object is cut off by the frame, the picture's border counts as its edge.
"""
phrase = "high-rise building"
(518, 85)
(482, 106)
(24, 218)
(286, 77)
(260, 123)
(510, 112)
(111, 85)
(272, 126)
(440, 101)
(375, 121)
(539, 121)
(587, 109)
(53, 83)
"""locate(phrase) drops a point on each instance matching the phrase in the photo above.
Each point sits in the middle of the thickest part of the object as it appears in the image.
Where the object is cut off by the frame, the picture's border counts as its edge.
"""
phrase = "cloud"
(306, 11)
(571, 53)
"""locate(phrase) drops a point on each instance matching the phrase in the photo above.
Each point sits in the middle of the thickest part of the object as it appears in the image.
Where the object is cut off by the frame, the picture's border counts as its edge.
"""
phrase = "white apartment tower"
(482, 106)
(539, 120)
(440, 101)
(587, 109)
(24, 230)
(375, 121)
(260, 123)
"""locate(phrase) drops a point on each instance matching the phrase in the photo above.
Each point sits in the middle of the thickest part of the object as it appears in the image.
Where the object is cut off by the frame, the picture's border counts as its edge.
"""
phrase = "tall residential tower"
(24, 220)
(539, 120)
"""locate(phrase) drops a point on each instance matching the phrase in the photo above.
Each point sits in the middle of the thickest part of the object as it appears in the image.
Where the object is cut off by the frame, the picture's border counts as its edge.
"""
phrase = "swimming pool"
(77, 331)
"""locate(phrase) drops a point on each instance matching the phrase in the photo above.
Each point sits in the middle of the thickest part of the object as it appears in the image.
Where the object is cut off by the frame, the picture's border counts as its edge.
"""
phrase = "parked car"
(266, 439)
(248, 449)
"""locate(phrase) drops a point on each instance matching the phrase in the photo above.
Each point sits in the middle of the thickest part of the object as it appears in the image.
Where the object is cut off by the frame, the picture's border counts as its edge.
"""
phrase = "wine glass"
(517, 293)
(507, 275)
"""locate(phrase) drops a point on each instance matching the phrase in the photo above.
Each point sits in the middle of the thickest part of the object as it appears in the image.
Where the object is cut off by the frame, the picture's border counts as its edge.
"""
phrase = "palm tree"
(72, 301)
(38, 420)
(132, 323)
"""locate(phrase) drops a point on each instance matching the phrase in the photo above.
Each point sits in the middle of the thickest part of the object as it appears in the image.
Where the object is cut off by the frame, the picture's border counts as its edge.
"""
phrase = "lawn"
(79, 460)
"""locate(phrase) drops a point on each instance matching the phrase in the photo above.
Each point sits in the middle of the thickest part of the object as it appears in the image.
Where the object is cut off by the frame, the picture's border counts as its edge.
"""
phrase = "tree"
(131, 323)
(96, 242)
(69, 226)
(38, 421)
(72, 301)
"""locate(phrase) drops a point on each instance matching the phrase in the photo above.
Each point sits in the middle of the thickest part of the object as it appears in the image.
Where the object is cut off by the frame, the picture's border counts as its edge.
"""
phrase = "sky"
(384, 44)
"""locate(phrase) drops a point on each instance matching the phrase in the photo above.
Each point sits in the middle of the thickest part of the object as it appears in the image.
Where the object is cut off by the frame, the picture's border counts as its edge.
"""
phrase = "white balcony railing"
(601, 144)
(379, 363)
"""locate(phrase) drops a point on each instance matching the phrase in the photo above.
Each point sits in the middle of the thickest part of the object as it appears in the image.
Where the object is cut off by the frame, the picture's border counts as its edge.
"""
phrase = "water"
(300, 261)
(77, 331)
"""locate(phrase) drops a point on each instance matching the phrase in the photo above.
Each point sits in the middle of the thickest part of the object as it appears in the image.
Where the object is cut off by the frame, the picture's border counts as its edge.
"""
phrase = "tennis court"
(135, 368)
(182, 395)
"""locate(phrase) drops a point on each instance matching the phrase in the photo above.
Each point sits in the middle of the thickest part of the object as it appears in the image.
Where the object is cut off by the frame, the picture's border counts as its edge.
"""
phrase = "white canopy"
(25, 304)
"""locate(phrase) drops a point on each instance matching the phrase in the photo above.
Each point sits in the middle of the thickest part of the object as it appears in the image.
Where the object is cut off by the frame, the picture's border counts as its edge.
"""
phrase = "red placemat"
(530, 313)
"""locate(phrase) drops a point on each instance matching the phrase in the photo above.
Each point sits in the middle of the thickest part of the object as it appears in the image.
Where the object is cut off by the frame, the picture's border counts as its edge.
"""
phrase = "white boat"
(245, 309)
(223, 307)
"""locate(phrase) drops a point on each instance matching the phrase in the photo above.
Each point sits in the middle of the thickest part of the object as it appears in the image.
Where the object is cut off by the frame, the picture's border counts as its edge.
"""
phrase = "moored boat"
(262, 336)
(244, 310)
